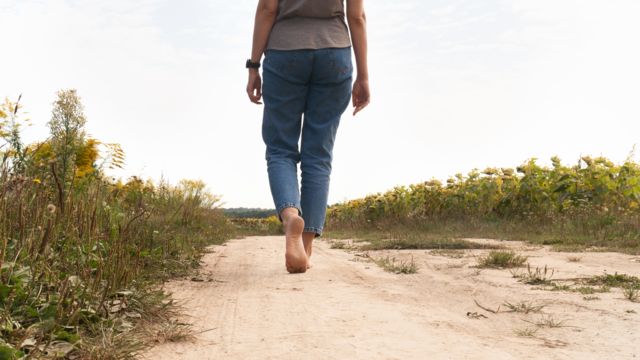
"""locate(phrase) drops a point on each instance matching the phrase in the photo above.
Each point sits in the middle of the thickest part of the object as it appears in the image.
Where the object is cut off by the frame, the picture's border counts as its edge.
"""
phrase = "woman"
(307, 72)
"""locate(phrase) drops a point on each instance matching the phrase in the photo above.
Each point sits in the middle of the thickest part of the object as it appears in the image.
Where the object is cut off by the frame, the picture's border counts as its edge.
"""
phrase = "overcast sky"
(455, 85)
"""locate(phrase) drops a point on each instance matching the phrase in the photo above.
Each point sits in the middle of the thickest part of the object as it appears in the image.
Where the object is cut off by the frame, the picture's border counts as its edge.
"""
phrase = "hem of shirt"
(308, 48)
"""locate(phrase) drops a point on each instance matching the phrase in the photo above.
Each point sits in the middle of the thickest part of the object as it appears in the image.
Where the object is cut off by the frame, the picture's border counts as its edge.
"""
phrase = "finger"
(361, 106)
(255, 98)
(355, 109)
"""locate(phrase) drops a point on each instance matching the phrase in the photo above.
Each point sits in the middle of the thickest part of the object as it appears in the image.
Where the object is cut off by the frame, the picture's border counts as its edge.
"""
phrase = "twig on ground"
(487, 309)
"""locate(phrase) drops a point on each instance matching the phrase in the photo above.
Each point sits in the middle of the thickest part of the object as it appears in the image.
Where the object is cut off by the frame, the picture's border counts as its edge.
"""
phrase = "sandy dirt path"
(346, 307)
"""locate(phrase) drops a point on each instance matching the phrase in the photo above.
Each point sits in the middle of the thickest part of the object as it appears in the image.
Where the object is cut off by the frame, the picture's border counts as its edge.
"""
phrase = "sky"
(456, 85)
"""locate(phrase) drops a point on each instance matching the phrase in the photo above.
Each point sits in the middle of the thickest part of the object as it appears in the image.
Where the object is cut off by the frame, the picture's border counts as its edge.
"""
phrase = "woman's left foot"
(295, 255)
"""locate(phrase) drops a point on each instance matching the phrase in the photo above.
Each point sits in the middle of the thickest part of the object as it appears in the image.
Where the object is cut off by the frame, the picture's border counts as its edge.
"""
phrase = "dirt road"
(345, 307)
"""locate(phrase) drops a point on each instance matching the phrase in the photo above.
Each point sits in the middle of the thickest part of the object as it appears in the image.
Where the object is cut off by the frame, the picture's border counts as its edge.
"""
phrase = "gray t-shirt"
(309, 24)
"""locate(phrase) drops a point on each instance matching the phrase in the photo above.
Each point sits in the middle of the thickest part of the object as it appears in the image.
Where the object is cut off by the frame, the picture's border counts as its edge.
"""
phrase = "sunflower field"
(593, 203)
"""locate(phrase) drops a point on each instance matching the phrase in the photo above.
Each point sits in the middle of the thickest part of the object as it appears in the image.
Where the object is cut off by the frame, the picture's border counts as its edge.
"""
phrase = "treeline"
(80, 253)
(592, 203)
(246, 213)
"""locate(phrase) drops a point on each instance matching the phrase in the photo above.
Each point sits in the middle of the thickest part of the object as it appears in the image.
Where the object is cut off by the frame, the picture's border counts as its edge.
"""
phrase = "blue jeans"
(316, 84)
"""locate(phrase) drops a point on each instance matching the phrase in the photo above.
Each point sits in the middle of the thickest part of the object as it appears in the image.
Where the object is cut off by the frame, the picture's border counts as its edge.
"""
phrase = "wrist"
(250, 64)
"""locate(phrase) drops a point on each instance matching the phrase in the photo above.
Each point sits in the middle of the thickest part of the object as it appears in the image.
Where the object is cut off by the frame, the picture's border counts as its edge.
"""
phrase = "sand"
(346, 307)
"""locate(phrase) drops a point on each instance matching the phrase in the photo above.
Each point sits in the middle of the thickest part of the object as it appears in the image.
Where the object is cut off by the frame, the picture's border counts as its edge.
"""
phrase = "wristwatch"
(252, 65)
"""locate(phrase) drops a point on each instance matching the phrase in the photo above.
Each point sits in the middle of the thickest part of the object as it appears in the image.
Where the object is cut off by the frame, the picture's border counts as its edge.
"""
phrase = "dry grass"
(341, 244)
(173, 331)
(537, 276)
(631, 293)
(450, 253)
(392, 265)
(526, 332)
(548, 321)
(524, 307)
(501, 260)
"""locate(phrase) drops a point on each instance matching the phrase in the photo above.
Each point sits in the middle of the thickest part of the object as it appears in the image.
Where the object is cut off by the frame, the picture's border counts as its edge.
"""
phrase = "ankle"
(308, 237)
(288, 213)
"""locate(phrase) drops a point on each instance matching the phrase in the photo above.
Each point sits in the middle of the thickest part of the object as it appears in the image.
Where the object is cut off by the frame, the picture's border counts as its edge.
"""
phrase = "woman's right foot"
(307, 241)
(295, 256)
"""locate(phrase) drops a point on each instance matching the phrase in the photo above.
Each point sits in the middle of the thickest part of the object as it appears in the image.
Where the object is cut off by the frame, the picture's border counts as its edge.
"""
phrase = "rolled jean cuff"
(316, 230)
(287, 205)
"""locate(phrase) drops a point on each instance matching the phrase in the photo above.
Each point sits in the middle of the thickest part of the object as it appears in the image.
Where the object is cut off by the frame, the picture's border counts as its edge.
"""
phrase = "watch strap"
(252, 65)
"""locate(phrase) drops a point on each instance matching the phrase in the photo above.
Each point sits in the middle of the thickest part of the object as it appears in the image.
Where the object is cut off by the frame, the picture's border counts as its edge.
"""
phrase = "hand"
(254, 86)
(360, 95)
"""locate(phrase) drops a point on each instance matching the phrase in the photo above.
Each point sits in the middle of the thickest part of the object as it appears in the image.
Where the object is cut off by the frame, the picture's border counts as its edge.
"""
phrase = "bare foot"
(307, 240)
(295, 256)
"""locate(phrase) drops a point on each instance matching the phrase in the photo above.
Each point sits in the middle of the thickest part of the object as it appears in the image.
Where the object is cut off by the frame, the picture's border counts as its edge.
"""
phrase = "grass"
(585, 290)
(597, 284)
(82, 254)
(450, 233)
(341, 245)
(524, 307)
(501, 260)
(401, 238)
(548, 321)
(574, 258)
(173, 331)
(450, 253)
(392, 265)
(590, 290)
(537, 276)
(615, 280)
(526, 332)
(631, 293)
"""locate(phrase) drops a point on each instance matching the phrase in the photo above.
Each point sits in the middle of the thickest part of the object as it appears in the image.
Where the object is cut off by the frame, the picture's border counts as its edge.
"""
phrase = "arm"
(358, 27)
(265, 18)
